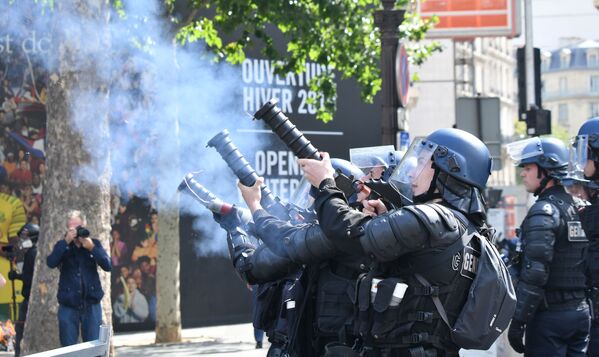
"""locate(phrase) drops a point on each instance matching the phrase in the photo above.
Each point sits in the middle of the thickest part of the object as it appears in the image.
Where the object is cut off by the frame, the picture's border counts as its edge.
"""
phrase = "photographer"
(28, 236)
(79, 288)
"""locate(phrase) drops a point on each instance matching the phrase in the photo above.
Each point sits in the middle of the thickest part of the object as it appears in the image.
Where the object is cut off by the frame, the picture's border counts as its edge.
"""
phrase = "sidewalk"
(222, 341)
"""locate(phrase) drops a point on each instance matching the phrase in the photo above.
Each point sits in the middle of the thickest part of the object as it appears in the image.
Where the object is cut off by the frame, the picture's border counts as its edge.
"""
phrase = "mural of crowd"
(134, 219)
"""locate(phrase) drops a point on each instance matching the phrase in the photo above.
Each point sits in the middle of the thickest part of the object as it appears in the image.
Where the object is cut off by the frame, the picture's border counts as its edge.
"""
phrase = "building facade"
(484, 67)
(570, 76)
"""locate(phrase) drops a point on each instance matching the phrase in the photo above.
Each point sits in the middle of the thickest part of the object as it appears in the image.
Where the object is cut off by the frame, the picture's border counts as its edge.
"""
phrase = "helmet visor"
(578, 156)
(414, 161)
(302, 197)
(373, 161)
(522, 150)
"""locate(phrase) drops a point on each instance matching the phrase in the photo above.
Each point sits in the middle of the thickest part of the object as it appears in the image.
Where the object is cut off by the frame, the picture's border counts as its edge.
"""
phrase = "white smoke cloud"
(152, 85)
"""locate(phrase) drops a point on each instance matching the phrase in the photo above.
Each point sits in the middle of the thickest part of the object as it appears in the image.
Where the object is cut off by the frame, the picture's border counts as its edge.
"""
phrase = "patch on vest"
(576, 233)
(456, 262)
(470, 264)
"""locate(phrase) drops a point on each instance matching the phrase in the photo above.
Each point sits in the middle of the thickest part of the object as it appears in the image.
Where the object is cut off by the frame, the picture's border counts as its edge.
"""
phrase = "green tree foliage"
(557, 131)
(339, 34)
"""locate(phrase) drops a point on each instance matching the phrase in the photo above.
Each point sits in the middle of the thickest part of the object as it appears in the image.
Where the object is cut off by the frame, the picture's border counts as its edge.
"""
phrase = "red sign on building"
(472, 18)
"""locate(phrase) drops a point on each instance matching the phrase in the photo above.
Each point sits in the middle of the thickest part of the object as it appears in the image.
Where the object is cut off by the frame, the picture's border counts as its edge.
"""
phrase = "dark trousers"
(70, 321)
(258, 334)
(20, 326)
(594, 344)
(558, 333)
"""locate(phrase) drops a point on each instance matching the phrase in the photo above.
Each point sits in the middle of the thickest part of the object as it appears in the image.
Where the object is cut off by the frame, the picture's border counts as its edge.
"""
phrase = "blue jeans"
(71, 320)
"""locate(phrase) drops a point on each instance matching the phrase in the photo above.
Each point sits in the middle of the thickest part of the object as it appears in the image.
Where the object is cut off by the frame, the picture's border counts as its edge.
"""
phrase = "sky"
(553, 19)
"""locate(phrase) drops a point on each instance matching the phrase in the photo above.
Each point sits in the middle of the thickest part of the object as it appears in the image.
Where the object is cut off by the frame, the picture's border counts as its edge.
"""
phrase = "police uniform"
(551, 291)
(416, 251)
(332, 270)
(587, 141)
(552, 282)
(403, 242)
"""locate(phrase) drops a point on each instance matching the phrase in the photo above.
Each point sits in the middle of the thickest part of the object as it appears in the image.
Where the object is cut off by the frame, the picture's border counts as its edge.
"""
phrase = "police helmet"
(548, 153)
(303, 196)
(461, 155)
(591, 128)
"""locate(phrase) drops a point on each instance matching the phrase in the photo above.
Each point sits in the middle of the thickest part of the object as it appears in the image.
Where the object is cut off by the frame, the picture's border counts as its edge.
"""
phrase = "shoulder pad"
(544, 208)
(543, 215)
(435, 218)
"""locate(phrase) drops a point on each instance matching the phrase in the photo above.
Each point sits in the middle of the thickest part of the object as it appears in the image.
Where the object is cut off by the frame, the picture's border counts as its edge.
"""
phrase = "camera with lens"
(82, 232)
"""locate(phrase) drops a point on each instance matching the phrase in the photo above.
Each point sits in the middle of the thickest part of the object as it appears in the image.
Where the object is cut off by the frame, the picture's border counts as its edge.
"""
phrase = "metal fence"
(99, 347)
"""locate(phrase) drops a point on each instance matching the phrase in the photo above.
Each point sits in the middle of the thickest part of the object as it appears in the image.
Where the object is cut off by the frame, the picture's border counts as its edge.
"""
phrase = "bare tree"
(77, 154)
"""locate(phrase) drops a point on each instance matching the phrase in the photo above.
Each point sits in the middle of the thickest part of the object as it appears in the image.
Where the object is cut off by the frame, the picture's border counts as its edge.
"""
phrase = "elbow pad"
(391, 235)
(309, 244)
(262, 265)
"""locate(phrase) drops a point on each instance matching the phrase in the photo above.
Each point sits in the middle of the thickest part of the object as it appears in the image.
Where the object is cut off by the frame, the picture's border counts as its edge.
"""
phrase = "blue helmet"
(304, 194)
(461, 155)
(347, 168)
(548, 153)
(591, 128)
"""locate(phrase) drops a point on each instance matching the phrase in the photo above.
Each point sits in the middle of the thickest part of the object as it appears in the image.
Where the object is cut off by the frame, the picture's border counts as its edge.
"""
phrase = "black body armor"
(554, 246)
(330, 296)
(397, 315)
(589, 216)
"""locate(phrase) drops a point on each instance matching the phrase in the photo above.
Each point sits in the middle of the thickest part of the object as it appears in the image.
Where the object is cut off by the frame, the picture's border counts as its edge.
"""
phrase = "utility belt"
(564, 297)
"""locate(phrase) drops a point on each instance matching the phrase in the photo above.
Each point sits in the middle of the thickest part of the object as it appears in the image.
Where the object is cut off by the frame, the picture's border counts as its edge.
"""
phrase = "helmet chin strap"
(430, 194)
(544, 181)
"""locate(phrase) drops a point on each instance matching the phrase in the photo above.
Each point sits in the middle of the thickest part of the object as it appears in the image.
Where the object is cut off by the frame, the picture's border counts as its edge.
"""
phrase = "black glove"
(516, 335)
(13, 275)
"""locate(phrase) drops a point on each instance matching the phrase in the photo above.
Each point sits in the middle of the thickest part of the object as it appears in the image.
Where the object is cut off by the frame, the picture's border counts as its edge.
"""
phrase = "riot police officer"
(398, 311)
(551, 306)
(585, 164)
(317, 276)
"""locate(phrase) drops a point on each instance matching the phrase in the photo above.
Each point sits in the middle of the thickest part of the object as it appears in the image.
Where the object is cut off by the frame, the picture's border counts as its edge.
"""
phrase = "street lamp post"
(388, 21)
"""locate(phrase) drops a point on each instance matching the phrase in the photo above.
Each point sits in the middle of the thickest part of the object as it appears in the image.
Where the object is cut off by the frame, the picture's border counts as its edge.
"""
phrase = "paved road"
(221, 341)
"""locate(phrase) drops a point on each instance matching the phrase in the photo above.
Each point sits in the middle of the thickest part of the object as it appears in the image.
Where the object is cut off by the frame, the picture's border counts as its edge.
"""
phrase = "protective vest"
(396, 310)
(567, 269)
(334, 299)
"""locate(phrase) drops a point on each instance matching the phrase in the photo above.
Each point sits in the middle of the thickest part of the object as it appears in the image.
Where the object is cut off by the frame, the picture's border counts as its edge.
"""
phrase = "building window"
(592, 59)
(563, 85)
(594, 84)
(593, 109)
(545, 60)
(563, 114)
(565, 58)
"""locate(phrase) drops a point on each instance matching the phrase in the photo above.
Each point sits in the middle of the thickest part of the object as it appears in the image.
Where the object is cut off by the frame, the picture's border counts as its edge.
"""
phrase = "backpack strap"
(435, 298)
(450, 251)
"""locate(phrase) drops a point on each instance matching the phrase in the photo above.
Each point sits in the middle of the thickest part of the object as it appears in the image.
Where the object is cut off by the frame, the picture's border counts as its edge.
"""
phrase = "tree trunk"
(168, 312)
(77, 155)
(168, 309)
